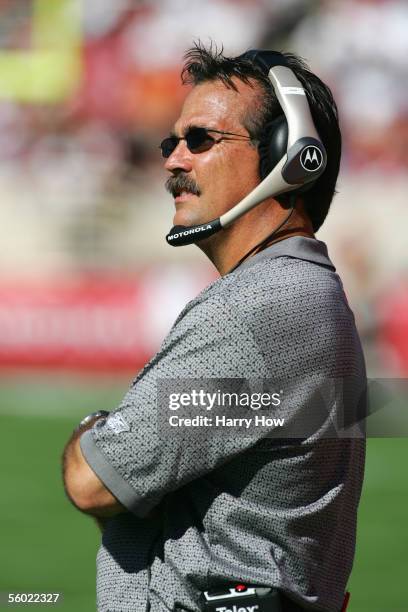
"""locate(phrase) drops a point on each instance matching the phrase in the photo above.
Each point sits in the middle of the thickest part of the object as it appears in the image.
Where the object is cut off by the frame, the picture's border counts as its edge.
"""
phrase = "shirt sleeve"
(127, 451)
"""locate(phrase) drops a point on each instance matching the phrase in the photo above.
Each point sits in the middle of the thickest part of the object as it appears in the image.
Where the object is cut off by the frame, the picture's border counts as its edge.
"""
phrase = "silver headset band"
(292, 98)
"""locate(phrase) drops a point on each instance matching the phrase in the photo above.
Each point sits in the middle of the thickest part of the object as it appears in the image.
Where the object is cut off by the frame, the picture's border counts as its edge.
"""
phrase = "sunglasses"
(198, 140)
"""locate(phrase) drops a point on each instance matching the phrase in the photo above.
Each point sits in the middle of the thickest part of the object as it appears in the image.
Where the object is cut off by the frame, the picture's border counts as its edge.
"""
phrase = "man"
(181, 517)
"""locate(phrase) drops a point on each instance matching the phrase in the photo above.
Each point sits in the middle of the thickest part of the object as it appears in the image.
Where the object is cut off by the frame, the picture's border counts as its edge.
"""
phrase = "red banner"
(393, 327)
(93, 323)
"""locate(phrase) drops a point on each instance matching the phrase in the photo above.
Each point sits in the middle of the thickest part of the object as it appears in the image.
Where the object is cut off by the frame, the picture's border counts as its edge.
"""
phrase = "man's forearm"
(70, 455)
(82, 486)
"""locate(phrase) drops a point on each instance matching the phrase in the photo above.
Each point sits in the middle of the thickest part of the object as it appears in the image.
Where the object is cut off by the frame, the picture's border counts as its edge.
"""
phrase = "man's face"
(228, 171)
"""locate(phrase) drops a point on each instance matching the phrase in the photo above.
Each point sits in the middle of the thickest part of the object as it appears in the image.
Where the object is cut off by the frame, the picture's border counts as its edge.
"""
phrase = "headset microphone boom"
(303, 161)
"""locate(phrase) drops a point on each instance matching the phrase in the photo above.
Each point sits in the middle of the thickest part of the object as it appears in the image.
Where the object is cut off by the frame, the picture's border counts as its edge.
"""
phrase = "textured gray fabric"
(266, 512)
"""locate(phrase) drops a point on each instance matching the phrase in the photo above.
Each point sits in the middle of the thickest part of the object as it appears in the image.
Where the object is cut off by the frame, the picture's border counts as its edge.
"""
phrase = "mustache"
(176, 184)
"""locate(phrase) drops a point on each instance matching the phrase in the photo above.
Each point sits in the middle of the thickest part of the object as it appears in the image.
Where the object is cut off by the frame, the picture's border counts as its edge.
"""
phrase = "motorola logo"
(192, 230)
(311, 158)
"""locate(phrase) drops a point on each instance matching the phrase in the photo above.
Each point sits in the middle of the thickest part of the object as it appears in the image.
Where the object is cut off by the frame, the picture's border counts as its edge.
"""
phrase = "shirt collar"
(298, 247)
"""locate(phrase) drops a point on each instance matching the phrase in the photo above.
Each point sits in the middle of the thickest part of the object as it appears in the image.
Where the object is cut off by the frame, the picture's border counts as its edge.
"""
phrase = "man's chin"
(184, 218)
(188, 210)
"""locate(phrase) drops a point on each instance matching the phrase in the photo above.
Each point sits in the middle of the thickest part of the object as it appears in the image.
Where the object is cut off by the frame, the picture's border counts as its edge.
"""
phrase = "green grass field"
(47, 546)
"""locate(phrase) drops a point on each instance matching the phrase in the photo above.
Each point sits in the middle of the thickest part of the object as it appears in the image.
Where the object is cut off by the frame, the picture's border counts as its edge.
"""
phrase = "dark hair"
(209, 64)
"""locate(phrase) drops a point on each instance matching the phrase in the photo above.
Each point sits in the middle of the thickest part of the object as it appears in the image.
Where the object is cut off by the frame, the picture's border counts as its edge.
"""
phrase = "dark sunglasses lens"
(168, 145)
(198, 140)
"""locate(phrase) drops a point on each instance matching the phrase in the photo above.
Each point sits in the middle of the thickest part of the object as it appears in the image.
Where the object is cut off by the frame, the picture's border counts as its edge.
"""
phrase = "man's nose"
(180, 159)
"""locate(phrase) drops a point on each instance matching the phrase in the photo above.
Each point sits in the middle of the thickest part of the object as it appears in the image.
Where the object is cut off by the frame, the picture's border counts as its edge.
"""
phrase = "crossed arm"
(82, 486)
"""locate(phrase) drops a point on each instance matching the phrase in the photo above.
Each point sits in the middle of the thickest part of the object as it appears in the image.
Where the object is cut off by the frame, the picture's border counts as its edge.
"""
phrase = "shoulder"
(273, 290)
(298, 314)
(286, 282)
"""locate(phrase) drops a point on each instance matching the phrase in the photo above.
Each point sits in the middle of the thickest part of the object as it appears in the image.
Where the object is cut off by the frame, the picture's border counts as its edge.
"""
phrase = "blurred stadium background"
(88, 286)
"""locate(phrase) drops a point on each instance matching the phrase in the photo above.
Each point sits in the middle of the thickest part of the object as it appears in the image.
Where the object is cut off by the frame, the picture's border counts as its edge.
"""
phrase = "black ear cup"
(273, 145)
(272, 148)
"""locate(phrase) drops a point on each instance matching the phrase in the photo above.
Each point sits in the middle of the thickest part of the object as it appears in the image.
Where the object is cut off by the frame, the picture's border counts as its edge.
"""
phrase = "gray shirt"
(209, 510)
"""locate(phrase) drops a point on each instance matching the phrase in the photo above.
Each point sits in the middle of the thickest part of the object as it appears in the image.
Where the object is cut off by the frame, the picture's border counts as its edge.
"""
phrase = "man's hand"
(85, 490)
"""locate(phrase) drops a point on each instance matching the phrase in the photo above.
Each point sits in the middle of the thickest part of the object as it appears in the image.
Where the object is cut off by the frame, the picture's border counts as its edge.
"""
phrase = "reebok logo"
(238, 608)
(117, 423)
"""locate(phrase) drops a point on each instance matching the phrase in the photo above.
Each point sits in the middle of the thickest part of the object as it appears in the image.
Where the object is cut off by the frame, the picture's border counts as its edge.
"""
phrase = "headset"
(293, 150)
